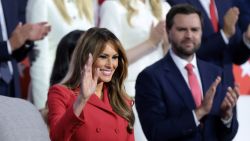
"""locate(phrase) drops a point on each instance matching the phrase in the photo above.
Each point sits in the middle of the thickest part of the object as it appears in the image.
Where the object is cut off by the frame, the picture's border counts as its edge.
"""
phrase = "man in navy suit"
(224, 47)
(164, 97)
(15, 42)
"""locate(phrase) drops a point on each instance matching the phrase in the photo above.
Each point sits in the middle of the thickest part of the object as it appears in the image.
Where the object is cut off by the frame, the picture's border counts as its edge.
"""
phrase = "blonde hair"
(155, 6)
(85, 7)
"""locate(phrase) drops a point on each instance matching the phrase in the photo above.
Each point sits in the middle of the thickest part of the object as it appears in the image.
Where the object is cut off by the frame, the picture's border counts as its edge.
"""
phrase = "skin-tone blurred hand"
(230, 19)
(32, 32)
(36, 31)
(156, 36)
(165, 45)
(207, 102)
(17, 39)
(88, 86)
(157, 33)
(229, 102)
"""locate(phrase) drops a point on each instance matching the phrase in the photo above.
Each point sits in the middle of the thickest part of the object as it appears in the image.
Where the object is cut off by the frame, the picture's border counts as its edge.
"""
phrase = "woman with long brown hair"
(90, 104)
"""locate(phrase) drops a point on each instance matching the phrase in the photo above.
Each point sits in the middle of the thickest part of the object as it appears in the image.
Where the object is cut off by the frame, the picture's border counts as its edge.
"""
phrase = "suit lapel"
(205, 79)
(178, 82)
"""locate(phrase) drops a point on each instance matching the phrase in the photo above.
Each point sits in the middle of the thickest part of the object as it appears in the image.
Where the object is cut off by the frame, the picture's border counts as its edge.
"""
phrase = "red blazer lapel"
(102, 104)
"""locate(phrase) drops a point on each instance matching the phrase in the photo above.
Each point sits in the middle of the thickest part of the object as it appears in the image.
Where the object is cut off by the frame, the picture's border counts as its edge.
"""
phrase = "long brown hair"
(94, 41)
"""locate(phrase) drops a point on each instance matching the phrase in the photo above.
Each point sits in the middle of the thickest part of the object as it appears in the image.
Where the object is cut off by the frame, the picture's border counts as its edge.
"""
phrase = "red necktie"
(194, 85)
(214, 20)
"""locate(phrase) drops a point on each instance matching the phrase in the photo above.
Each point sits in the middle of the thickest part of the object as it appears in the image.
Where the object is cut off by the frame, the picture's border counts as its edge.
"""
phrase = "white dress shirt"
(181, 63)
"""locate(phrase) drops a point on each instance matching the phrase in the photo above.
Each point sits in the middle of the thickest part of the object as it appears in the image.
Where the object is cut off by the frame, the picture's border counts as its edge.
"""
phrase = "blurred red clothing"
(242, 77)
(100, 1)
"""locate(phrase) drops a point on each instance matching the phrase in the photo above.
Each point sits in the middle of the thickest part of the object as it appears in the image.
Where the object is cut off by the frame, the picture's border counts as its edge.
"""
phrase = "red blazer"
(97, 122)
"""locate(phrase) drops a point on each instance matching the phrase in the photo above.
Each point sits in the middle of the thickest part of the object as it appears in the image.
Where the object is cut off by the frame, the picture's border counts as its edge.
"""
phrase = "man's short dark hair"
(181, 9)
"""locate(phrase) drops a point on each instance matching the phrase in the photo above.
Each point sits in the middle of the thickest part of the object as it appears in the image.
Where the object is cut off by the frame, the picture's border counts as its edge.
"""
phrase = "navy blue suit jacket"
(213, 47)
(13, 15)
(164, 104)
(244, 7)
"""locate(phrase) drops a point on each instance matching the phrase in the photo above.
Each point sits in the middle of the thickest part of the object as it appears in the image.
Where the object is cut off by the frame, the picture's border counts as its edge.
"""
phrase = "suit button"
(98, 130)
(117, 131)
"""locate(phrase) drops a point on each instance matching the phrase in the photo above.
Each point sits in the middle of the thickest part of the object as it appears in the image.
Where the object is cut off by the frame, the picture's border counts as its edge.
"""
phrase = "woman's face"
(107, 62)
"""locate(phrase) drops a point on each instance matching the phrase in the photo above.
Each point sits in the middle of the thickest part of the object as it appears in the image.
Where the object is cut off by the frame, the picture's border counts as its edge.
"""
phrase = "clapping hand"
(229, 102)
(230, 19)
(157, 33)
(31, 32)
(207, 102)
(36, 31)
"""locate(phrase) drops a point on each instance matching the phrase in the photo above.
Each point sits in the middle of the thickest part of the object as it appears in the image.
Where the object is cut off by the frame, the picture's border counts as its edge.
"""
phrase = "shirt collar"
(181, 63)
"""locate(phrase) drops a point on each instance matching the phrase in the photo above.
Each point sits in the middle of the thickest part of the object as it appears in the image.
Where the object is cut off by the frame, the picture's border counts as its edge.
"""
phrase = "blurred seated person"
(20, 120)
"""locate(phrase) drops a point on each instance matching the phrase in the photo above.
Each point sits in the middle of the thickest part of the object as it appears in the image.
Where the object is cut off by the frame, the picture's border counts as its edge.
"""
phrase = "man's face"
(185, 34)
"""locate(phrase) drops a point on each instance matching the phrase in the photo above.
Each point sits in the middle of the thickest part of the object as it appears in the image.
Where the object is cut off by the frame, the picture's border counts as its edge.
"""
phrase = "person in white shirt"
(64, 16)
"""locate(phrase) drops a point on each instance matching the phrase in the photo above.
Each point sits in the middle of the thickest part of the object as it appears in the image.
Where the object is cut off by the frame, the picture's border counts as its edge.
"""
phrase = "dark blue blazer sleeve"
(244, 18)
(4, 54)
(14, 11)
